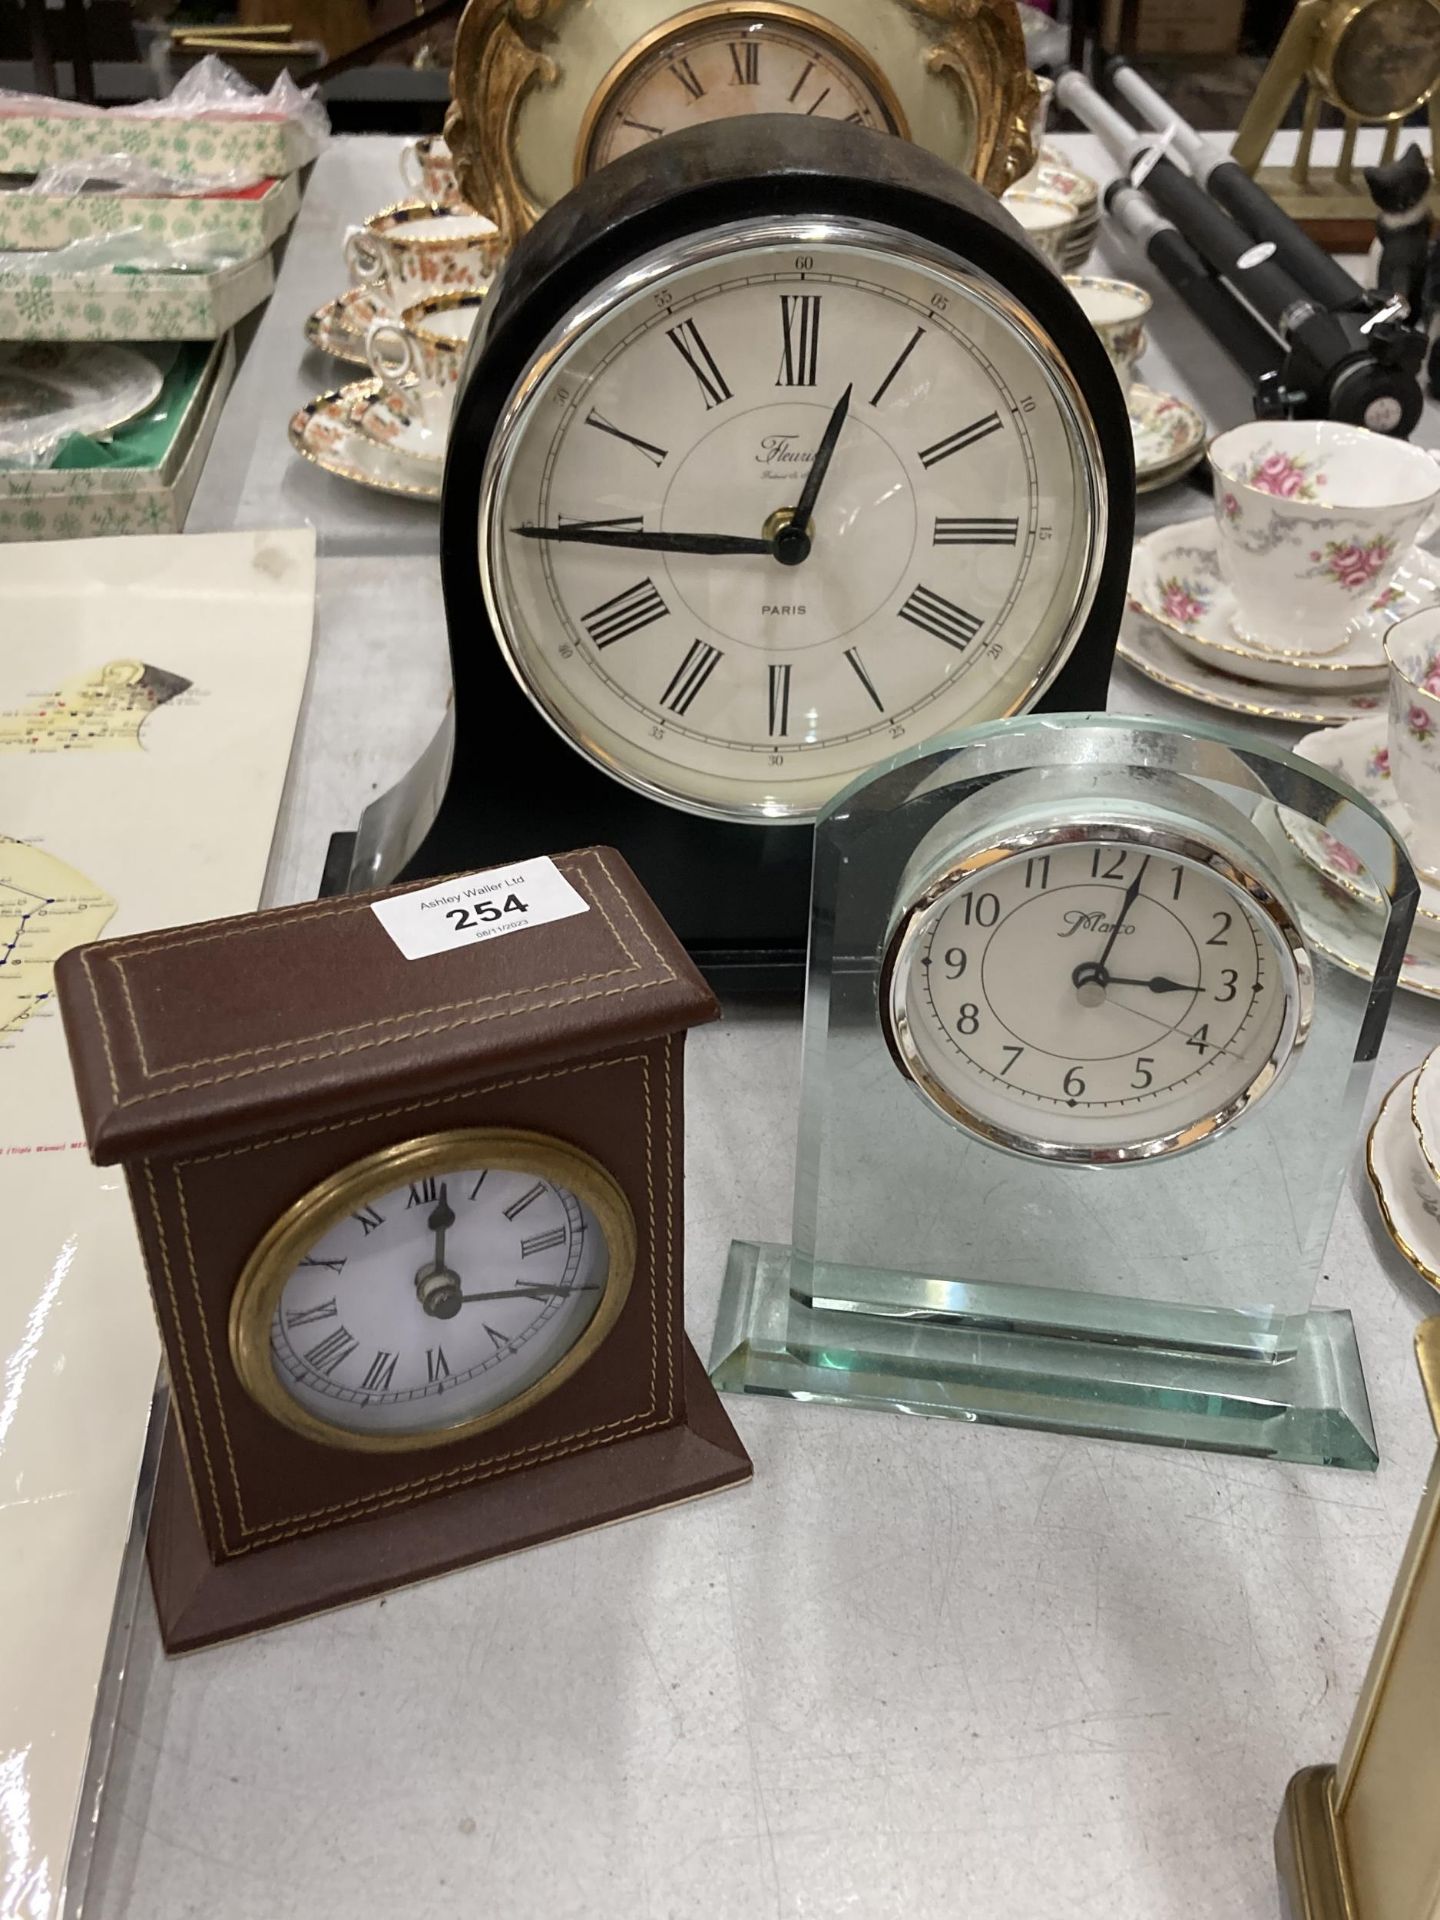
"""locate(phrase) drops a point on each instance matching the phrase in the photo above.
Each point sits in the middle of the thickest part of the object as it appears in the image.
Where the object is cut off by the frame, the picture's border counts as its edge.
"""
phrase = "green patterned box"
(124, 305)
(245, 224)
(67, 503)
(191, 148)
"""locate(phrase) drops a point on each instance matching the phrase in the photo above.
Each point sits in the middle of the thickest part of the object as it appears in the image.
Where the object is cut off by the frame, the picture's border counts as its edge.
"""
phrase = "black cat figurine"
(1401, 192)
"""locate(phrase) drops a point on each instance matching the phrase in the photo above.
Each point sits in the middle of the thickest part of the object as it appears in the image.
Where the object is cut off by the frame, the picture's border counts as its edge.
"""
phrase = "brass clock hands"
(704, 543)
(792, 541)
(437, 1287)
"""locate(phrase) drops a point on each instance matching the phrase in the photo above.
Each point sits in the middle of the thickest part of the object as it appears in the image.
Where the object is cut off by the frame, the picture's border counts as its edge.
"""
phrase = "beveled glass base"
(1288, 1389)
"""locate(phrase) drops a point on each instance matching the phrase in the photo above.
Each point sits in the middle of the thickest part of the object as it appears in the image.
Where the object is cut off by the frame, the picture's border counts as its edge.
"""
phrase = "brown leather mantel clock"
(413, 1226)
(546, 92)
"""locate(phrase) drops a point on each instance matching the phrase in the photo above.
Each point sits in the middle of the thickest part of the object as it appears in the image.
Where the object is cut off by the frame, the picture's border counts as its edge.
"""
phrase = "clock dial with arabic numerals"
(645, 561)
(436, 1302)
(1096, 998)
(732, 64)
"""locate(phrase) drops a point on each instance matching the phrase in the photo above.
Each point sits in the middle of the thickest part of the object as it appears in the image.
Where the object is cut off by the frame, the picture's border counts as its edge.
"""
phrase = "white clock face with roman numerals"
(677, 606)
(737, 63)
(1093, 998)
(438, 1301)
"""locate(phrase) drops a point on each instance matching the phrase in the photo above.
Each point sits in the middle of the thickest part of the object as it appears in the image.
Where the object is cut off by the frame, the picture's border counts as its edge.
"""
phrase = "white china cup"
(427, 169)
(1046, 220)
(421, 353)
(416, 248)
(1412, 648)
(1313, 518)
(1117, 311)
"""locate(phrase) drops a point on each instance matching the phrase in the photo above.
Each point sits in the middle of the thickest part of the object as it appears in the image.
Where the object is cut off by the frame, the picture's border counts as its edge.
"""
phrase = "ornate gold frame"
(682, 24)
(257, 1292)
(503, 51)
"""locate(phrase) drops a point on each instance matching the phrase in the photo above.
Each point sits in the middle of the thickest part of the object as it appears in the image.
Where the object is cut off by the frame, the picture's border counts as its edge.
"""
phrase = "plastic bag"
(211, 90)
(127, 175)
(53, 395)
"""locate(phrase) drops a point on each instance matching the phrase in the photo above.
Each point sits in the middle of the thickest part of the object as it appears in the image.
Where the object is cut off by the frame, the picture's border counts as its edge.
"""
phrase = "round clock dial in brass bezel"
(737, 16)
(904, 951)
(265, 1274)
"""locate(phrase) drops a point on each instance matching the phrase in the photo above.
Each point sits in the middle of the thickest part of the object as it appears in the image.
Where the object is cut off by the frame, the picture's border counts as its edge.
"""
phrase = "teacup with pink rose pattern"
(1412, 648)
(1313, 519)
(423, 351)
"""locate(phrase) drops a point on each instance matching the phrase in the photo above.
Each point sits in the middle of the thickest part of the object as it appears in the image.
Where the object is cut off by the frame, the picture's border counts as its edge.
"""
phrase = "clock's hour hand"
(715, 544)
(1158, 983)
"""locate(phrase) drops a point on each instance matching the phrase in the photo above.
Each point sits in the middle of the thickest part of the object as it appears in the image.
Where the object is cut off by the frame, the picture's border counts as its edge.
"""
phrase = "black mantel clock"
(782, 451)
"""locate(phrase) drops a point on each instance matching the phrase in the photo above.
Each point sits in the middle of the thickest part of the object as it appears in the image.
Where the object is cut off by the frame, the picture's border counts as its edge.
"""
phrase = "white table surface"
(918, 1667)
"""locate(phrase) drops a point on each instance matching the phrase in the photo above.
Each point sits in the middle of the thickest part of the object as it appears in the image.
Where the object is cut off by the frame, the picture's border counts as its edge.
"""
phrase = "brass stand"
(1376, 62)
(1361, 1840)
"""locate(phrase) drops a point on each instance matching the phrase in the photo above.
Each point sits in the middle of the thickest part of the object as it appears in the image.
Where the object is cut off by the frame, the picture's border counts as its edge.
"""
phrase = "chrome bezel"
(697, 250)
(1258, 898)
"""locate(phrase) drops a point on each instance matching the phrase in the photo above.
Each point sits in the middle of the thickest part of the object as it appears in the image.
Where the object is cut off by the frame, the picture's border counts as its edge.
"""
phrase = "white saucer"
(1147, 646)
(325, 432)
(1425, 1110)
(48, 390)
(1403, 1185)
(1338, 922)
(388, 420)
(1176, 582)
(1359, 753)
(1169, 437)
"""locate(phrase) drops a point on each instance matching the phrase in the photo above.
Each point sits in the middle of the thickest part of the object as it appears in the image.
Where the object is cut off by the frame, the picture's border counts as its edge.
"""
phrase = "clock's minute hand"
(536, 1292)
(703, 543)
(792, 542)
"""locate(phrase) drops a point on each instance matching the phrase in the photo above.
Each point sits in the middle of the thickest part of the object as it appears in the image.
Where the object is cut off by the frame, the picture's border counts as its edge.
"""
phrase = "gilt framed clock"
(738, 503)
(408, 1177)
(545, 92)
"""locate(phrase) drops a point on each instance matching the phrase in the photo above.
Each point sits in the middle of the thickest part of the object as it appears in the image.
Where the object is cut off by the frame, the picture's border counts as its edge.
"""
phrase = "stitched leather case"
(218, 1031)
(233, 1066)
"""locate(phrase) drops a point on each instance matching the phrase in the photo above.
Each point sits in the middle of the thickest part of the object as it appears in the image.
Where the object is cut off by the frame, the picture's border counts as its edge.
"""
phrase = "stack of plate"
(1056, 199)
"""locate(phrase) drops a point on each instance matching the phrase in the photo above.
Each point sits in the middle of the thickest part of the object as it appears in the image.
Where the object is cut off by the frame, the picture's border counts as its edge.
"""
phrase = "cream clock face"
(735, 63)
(438, 1301)
(646, 562)
(1094, 998)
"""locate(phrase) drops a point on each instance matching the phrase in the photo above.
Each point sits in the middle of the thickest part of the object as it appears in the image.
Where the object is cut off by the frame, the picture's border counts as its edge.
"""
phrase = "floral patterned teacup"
(1313, 520)
(423, 352)
(428, 171)
(1412, 648)
(1047, 221)
(417, 248)
(1117, 312)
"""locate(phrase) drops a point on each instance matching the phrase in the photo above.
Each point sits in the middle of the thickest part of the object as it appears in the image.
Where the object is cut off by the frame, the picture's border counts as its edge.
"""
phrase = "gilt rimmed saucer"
(339, 327)
(1169, 437)
(1359, 753)
(326, 433)
(1425, 1110)
(1402, 1182)
(391, 419)
(1146, 646)
(1176, 581)
(1335, 920)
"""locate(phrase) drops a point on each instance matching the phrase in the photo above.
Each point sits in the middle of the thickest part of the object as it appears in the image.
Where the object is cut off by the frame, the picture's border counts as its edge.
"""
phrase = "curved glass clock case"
(1083, 1071)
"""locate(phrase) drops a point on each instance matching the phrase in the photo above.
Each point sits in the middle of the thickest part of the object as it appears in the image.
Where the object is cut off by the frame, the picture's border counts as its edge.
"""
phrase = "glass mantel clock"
(1075, 1020)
